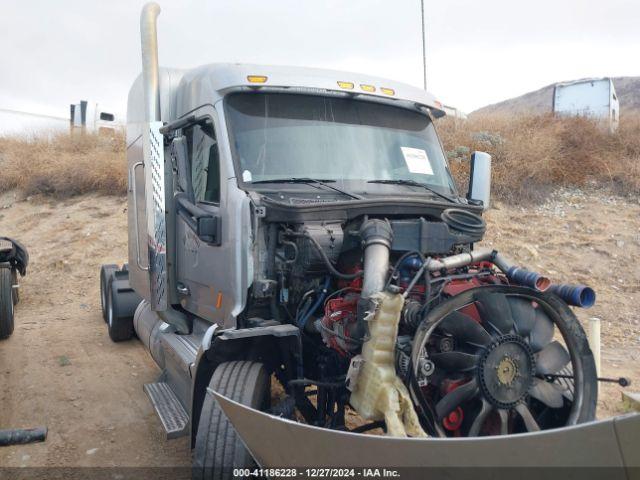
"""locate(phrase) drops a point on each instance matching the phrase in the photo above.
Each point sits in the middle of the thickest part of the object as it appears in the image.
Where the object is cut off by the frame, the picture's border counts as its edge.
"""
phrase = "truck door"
(201, 252)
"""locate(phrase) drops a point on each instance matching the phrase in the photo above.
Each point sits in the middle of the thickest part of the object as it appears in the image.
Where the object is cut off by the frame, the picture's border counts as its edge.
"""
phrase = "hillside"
(540, 101)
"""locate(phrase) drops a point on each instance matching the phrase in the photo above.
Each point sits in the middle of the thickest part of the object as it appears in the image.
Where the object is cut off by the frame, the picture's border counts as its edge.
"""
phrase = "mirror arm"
(203, 120)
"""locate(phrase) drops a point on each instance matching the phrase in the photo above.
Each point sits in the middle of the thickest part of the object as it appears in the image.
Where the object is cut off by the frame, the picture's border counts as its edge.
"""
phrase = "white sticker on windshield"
(417, 160)
(246, 176)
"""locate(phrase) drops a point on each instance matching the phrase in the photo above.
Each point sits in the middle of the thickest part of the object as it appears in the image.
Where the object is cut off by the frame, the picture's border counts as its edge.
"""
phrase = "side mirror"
(480, 179)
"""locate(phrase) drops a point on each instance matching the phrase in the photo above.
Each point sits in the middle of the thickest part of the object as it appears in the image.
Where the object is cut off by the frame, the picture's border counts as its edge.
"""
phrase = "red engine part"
(356, 283)
(456, 287)
(417, 292)
(340, 315)
(453, 421)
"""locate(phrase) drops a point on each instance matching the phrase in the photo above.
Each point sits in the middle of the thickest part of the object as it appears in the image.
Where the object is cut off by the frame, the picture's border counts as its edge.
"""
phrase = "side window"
(205, 164)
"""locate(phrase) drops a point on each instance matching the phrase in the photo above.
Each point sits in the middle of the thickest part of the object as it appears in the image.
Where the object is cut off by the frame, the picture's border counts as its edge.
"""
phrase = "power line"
(424, 46)
(51, 117)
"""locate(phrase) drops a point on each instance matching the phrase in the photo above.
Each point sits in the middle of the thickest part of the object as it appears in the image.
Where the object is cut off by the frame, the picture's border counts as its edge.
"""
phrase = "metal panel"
(272, 441)
(136, 212)
(153, 145)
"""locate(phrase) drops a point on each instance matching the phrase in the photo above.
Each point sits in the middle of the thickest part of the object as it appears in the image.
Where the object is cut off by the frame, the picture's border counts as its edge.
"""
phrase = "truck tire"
(119, 322)
(218, 448)
(6, 303)
(106, 272)
(14, 291)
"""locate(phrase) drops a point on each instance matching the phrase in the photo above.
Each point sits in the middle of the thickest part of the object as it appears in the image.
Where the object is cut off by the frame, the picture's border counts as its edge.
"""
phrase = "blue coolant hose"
(304, 318)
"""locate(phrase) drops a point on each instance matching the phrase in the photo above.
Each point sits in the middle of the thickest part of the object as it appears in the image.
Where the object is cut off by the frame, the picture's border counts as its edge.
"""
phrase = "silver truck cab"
(273, 212)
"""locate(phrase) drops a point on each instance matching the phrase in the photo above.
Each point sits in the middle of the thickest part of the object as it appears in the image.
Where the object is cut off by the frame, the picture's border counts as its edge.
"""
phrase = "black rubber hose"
(427, 288)
(22, 436)
(464, 221)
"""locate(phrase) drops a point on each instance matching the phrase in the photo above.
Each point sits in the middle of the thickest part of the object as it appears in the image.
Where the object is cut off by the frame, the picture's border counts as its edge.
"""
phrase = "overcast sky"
(478, 52)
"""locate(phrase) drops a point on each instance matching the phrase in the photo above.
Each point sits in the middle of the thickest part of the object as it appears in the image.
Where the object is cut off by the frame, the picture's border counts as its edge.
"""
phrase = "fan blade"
(478, 422)
(529, 421)
(542, 332)
(451, 400)
(495, 310)
(548, 393)
(524, 315)
(455, 361)
(551, 358)
(504, 421)
(465, 329)
(566, 384)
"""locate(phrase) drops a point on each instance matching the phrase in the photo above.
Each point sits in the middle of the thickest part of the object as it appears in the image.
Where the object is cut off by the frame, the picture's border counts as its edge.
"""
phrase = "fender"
(610, 443)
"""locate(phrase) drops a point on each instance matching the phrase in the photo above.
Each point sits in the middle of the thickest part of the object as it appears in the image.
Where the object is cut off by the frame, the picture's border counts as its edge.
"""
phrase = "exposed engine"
(470, 365)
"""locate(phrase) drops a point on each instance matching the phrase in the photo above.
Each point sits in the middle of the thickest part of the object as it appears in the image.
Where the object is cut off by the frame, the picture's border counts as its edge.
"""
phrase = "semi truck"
(298, 248)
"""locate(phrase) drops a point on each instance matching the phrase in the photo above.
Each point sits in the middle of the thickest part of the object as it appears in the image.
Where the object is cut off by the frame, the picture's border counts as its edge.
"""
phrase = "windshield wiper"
(413, 183)
(311, 181)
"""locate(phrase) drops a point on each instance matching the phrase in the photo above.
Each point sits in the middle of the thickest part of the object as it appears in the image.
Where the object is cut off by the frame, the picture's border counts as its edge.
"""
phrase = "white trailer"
(92, 117)
(454, 112)
(593, 97)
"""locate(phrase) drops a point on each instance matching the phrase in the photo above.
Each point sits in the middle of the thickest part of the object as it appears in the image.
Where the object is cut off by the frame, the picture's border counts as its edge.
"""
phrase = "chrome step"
(172, 414)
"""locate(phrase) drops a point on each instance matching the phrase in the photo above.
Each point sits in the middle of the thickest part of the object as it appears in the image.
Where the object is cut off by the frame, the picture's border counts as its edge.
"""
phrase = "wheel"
(106, 272)
(498, 360)
(6, 303)
(119, 316)
(14, 283)
(218, 448)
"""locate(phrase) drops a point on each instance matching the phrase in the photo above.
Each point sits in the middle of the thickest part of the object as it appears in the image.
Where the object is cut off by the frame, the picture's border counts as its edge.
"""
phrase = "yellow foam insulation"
(378, 393)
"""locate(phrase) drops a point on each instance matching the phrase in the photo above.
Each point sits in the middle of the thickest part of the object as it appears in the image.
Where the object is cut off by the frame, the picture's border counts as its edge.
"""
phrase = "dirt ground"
(60, 369)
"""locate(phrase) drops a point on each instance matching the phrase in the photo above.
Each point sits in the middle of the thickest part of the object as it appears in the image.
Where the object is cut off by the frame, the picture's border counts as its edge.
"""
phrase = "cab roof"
(184, 90)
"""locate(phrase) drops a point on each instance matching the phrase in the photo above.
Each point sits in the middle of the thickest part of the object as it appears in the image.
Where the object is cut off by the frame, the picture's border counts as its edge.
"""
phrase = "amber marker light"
(256, 78)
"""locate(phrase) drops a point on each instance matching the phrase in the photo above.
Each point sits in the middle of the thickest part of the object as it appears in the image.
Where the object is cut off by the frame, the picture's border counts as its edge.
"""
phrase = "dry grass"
(532, 155)
(64, 165)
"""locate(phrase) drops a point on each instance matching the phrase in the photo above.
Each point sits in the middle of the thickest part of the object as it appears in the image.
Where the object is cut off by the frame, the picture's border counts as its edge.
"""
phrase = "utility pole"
(424, 46)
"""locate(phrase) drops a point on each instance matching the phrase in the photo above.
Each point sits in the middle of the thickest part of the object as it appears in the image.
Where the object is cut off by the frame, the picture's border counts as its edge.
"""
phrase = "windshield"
(286, 136)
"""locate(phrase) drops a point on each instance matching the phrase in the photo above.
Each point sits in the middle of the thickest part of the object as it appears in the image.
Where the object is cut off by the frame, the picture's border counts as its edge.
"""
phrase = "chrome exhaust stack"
(150, 69)
(154, 171)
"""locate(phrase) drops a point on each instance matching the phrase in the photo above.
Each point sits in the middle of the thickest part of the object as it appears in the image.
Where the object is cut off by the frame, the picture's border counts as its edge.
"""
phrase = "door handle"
(183, 290)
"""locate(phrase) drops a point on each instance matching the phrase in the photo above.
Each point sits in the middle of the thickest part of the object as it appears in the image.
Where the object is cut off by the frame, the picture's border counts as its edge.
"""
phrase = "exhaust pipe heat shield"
(280, 443)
